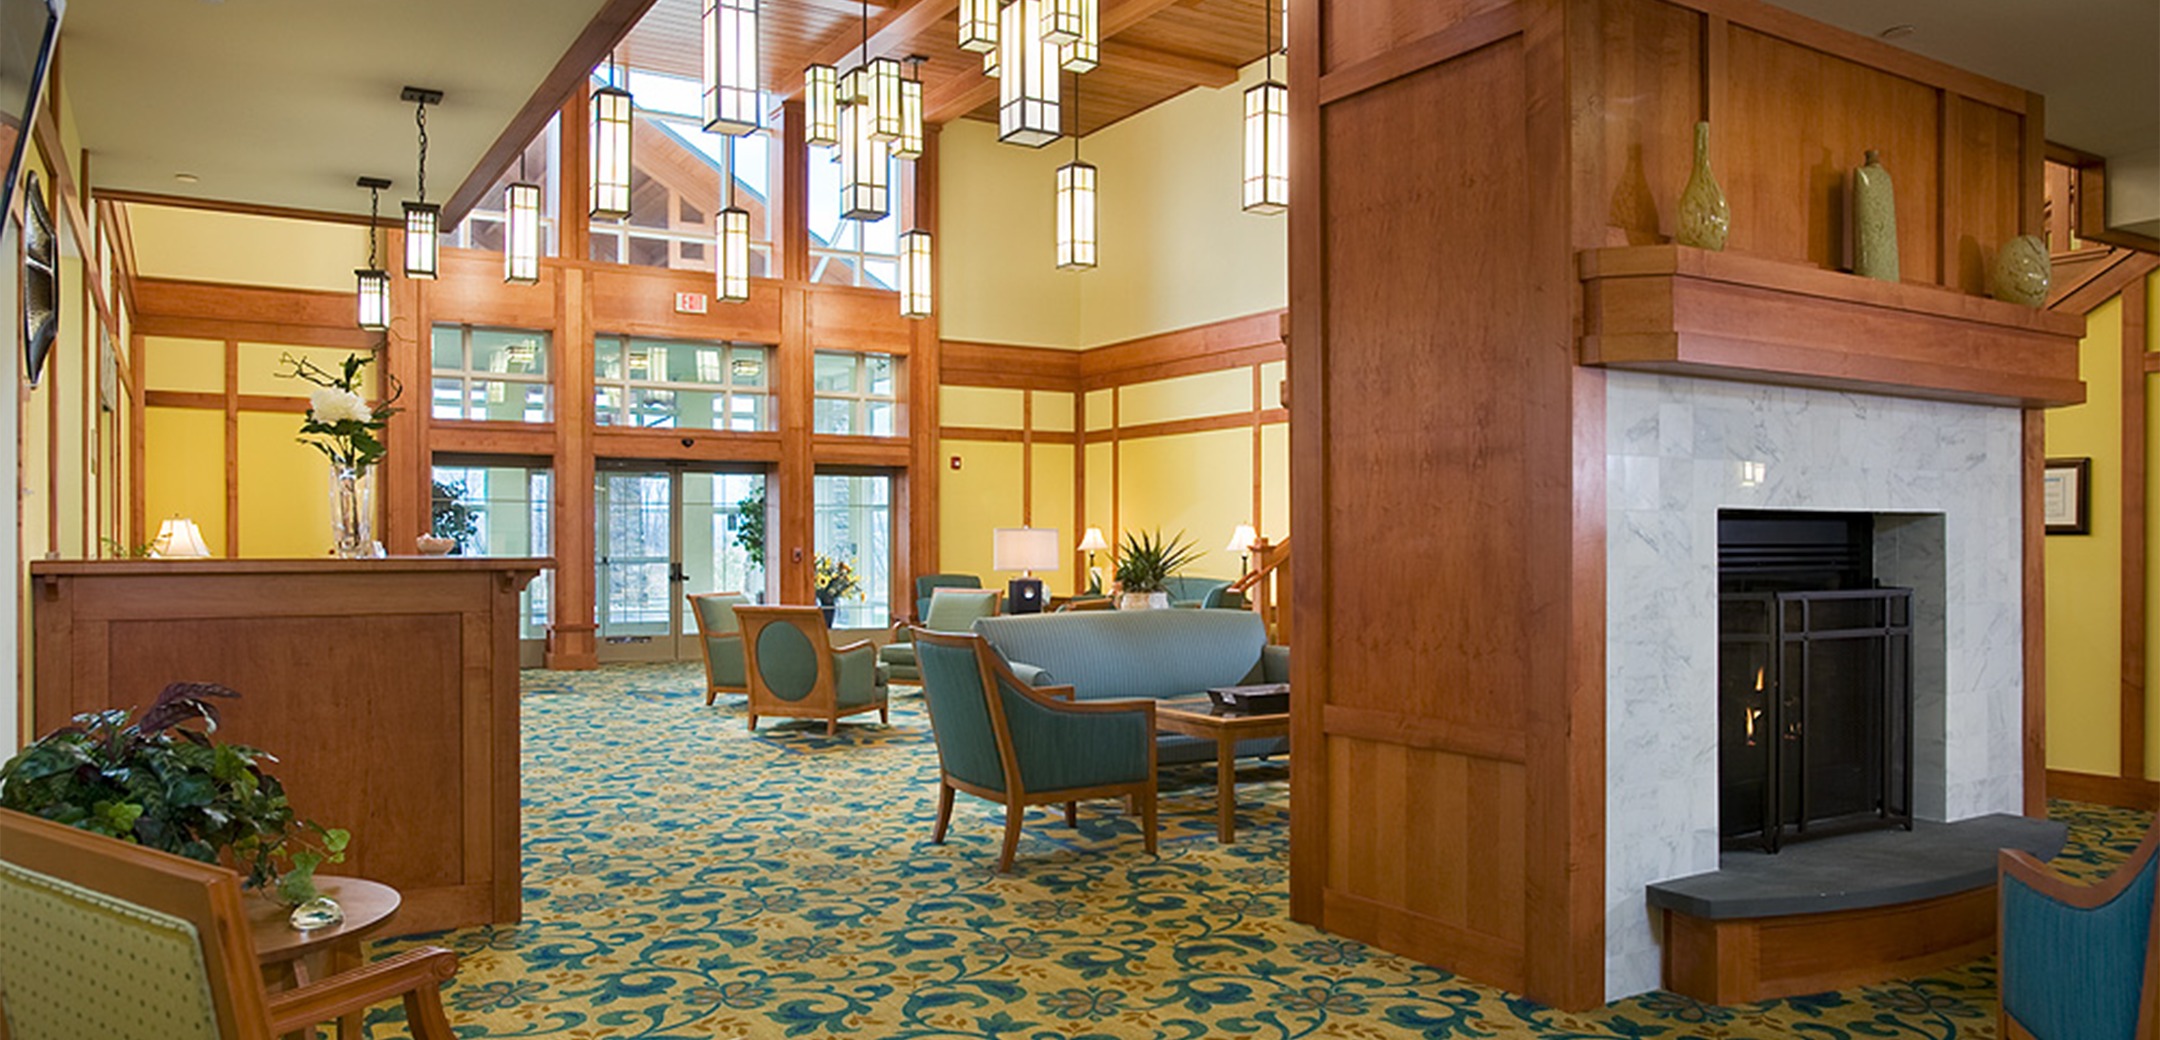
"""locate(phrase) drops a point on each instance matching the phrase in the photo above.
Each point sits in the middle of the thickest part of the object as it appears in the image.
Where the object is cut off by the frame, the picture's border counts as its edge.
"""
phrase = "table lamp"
(179, 538)
(1090, 542)
(1024, 549)
(1241, 543)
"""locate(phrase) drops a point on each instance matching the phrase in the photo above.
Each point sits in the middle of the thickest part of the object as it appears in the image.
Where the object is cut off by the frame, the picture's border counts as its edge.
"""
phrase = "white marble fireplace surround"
(1945, 479)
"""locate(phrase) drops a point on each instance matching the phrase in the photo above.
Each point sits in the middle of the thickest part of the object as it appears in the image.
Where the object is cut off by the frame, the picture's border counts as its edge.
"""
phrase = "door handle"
(675, 573)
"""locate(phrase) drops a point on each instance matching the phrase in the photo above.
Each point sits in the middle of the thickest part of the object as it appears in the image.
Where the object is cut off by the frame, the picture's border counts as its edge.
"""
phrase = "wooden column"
(919, 518)
(404, 358)
(572, 637)
(790, 541)
(2134, 428)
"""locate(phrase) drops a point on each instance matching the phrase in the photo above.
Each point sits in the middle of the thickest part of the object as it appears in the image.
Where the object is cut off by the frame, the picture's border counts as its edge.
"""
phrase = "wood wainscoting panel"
(1742, 960)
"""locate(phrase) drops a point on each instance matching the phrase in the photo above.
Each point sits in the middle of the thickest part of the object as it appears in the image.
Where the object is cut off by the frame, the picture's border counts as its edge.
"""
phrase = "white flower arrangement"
(328, 404)
(340, 423)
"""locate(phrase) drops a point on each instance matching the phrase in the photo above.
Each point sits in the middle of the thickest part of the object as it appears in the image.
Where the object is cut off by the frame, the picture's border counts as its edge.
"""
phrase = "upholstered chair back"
(961, 725)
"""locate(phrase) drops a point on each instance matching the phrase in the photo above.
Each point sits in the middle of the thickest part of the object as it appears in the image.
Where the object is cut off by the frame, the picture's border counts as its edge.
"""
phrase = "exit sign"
(689, 303)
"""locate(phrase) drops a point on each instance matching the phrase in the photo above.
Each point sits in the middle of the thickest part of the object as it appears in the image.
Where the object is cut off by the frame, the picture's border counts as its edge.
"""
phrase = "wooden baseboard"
(2123, 791)
(1741, 960)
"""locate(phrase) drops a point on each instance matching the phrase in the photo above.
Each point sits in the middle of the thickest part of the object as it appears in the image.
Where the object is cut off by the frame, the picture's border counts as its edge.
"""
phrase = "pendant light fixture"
(821, 105)
(1075, 204)
(731, 67)
(1267, 127)
(865, 188)
(1061, 22)
(914, 257)
(1027, 77)
(371, 284)
(979, 25)
(731, 262)
(611, 110)
(521, 229)
(909, 145)
(423, 220)
(1082, 54)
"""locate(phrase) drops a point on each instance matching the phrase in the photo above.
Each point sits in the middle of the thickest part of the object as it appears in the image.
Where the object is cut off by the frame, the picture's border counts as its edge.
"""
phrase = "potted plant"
(1144, 568)
(159, 783)
(835, 580)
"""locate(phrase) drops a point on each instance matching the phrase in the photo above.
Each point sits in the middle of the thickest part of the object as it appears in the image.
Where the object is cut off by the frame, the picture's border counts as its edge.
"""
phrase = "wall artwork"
(2066, 496)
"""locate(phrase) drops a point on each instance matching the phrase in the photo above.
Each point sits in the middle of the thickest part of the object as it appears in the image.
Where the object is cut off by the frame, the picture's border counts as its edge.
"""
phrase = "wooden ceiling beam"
(1180, 68)
(890, 35)
(945, 102)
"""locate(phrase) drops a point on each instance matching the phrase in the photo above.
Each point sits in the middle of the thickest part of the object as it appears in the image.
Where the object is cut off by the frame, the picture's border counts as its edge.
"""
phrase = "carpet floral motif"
(685, 878)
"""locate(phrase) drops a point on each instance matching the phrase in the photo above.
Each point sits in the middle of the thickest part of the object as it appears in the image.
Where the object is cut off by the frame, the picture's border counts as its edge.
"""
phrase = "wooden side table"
(1199, 717)
(285, 952)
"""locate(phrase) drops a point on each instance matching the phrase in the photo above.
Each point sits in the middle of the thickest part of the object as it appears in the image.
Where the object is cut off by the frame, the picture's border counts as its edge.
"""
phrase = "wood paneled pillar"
(405, 357)
(572, 640)
(791, 536)
(918, 512)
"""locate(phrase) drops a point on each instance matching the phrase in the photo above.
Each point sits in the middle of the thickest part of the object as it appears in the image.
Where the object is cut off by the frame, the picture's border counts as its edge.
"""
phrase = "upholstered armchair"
(720, 641)
(928, 584)
(112, 940)
(951, 610)
(1205, 593)
(1000, 739)
(795, 672)
(2079, 961)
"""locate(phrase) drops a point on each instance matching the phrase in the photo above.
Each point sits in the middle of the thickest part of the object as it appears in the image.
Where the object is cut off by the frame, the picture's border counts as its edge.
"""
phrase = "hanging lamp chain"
(374, 218)
(420, 118)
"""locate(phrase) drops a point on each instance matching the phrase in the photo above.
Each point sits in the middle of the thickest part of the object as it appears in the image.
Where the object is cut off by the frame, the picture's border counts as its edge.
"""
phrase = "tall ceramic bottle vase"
(1704, 216)
(1874, 221)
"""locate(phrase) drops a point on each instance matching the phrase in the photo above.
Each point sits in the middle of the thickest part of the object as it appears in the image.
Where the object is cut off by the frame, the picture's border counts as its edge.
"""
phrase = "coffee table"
(1198, 716)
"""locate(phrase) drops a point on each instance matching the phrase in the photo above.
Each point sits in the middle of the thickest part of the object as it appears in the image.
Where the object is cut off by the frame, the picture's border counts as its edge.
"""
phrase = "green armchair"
(1205, 593)
(926, 585)
(951, 610)
(720, 641)
(2078, 962)
(1000, 739)
(795, 672)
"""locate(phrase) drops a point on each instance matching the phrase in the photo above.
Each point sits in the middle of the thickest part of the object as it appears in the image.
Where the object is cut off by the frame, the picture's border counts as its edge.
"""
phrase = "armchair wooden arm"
(415, 975)
(860, 644)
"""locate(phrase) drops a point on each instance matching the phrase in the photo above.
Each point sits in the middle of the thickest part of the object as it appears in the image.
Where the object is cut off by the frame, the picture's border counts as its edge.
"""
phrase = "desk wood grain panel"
(413, 751)
(1425, 733)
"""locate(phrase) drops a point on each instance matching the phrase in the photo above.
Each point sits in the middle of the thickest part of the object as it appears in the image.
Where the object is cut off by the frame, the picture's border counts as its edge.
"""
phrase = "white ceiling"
(286, 102)
(2096, 61)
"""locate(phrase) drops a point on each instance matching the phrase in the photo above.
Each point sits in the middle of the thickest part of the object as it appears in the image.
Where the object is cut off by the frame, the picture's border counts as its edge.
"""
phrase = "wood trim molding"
(2121, 791)
(1232, 343)
(2034, 537)
(1235, 421)
(217, 402)
(2135, 423)
(963, 363)
(997, 435)
(2104, 282)
(252, 209)
(1480, 30)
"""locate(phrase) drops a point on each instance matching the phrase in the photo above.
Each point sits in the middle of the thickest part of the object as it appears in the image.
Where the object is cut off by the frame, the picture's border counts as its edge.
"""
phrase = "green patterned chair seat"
(65, 950)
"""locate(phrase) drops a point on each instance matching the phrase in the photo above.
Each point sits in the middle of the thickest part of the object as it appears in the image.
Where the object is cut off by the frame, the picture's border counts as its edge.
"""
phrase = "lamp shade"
(1093, 540)
(1242, 539)
(1024, 548)
(179, 538)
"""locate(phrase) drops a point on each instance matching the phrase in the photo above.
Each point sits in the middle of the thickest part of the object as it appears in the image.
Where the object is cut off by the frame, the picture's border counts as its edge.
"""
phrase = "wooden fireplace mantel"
(1671, 308)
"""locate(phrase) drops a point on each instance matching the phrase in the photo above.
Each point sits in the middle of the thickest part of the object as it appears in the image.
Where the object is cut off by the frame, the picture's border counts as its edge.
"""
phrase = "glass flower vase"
(352, 511)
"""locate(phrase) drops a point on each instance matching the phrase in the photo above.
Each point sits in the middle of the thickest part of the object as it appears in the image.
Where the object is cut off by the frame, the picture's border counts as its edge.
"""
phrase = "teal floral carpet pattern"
(685, 878)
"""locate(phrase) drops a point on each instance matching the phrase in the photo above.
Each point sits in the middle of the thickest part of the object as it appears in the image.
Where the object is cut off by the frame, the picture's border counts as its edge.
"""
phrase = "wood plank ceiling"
(1152, 50)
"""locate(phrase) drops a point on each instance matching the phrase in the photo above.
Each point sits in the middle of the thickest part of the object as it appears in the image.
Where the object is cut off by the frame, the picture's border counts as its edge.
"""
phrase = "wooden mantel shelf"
(1670, 308)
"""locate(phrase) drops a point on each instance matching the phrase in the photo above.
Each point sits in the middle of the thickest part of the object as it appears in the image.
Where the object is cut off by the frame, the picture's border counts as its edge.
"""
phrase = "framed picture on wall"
(2066, 496)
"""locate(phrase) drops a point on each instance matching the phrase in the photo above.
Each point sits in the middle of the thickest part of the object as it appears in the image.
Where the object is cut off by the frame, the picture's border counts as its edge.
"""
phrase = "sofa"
(1150, 654)
(1204, 593)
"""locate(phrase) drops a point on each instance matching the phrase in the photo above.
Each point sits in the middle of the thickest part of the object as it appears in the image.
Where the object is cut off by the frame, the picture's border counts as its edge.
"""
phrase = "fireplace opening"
(1815, 712)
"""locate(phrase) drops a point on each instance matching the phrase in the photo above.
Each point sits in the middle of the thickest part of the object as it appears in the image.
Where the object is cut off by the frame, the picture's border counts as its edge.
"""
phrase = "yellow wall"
(208, 246)
(999, 484)
(2084, 572)
(1175, 249)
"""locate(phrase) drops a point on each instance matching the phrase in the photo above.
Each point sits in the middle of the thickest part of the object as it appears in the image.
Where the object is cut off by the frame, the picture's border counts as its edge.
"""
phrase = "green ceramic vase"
(1874, 221)
(2022, 271)
(1704, 216)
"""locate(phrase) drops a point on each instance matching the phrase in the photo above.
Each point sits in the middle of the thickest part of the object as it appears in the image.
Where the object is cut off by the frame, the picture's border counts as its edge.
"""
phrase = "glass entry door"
(662, 532)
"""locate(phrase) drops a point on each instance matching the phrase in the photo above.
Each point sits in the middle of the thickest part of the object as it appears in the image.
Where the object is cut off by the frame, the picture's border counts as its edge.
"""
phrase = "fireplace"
(1815, 679)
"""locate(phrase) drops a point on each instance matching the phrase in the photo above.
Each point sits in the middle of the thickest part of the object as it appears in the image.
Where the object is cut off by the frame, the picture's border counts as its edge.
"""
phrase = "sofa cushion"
(1109, 654)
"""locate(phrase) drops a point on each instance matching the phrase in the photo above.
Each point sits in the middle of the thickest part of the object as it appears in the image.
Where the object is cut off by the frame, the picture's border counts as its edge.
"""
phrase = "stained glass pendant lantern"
(1075, 204)
(521, 230)
(1027, 77)
(731, 231)
(1267, 129)
(1061, 22)
(979, 25)
(1083, 53)
(611, 112)
(371, 284)
(423, 219)
(880, 81)
(865, 186)
(909, 145)
(915, 274)
(821, 105)
(731, 67)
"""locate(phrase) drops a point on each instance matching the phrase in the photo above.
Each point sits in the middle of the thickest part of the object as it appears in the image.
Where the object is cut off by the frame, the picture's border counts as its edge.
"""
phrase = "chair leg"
(832, 726)
(753, 722)
(884, 715)
(710, 693)
(944, 813)
(1147, 818)
(1013, 812)
(1072, 814)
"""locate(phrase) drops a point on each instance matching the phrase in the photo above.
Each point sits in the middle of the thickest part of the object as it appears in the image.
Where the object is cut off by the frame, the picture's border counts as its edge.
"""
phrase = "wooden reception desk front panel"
(387, 689)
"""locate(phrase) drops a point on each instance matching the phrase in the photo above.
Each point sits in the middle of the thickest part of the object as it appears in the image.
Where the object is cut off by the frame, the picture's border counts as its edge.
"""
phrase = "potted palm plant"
(1145, 566)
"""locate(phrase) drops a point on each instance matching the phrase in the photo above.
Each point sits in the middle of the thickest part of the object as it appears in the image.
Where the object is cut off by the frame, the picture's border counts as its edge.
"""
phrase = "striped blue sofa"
(1153, 654)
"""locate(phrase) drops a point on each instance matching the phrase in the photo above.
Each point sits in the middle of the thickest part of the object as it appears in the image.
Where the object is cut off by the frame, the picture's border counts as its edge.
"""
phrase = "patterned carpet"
(684, 879)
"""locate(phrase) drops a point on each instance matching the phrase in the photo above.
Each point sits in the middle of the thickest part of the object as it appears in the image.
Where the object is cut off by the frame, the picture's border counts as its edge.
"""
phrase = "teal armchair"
(1205, 593)
(795, 672)
(928, 584)
(951, 610)
(1000, 739)
(2078, 961)
(720, 641)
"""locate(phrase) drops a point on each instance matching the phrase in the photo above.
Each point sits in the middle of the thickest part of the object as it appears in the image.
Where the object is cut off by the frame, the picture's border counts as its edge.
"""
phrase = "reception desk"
(387, 689)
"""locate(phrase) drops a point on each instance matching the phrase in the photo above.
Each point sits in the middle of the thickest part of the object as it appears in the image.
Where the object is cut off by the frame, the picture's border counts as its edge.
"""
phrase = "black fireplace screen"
(1815, 713)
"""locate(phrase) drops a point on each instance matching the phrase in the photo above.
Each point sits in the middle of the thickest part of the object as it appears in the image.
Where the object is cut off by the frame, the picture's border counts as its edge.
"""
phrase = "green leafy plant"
(452, 518)
(119, 550)
(1150, 559)
(750, 526)
(836, 579)
(161, 783)
(341, 425)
